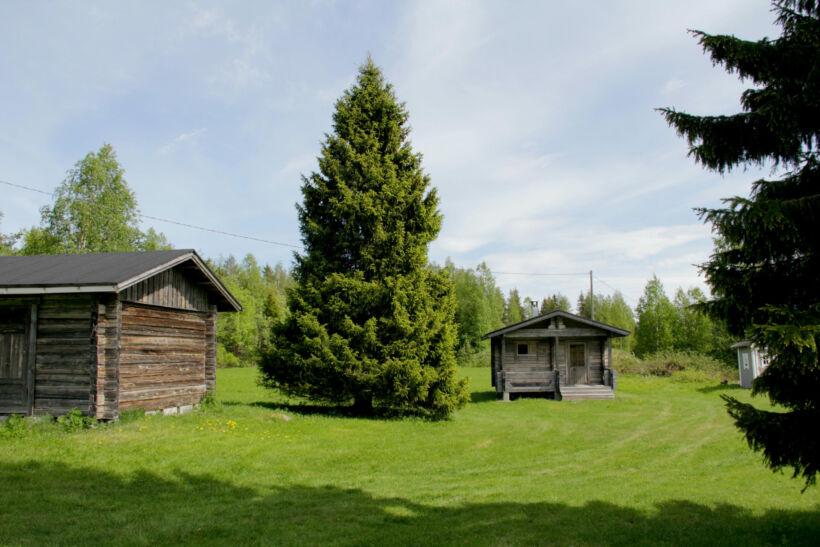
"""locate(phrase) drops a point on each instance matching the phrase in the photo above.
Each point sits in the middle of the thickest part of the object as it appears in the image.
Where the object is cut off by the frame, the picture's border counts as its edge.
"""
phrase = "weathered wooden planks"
(210, 349)
(162, 357)
(63, 365)
(169, 289)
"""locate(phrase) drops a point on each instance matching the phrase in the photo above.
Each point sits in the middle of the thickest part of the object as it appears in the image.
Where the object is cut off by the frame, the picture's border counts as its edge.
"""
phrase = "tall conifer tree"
(370, 325)
(764, 272)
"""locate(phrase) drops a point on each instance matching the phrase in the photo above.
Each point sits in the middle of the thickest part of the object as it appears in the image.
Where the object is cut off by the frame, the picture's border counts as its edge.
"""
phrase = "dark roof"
(101, 272)
(615, 331)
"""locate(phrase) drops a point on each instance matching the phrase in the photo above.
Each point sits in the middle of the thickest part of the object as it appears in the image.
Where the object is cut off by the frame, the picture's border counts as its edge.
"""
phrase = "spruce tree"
(764, 272)
(370, 324)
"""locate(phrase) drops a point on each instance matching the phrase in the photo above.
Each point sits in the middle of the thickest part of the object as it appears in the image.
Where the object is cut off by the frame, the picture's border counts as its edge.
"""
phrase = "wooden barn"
(558, 353)
(107, 332)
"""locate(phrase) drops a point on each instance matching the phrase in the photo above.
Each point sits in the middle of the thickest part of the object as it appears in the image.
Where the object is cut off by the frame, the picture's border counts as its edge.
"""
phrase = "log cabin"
(558, 354)
(108, 332)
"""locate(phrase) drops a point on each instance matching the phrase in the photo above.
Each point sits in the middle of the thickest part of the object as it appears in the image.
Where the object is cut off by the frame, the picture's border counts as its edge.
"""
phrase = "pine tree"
(764, 273)
(370, 324)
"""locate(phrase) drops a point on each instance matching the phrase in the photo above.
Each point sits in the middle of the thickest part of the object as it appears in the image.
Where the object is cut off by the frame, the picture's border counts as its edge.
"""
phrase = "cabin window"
(523, 348)
(576, 355)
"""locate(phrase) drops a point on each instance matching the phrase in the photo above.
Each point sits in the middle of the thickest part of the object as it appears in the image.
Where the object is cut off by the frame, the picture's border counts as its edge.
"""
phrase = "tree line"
(94, 210)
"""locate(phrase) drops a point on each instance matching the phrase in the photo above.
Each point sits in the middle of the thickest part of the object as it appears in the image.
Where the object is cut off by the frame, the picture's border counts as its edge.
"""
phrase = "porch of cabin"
(560, 361)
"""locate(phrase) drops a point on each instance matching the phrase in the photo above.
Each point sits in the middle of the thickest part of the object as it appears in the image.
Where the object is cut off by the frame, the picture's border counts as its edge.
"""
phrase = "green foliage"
(556, 301)
(693, 330)
(210, 401)
(94, 210)
(479, 310)
(242, 337)
(764, 272)
(74, 420)
(612, 310)
(7, 241)
(14, 427)
(130, 416)
(684, 366)
(370, 324)
(513, 311)
(656, 320)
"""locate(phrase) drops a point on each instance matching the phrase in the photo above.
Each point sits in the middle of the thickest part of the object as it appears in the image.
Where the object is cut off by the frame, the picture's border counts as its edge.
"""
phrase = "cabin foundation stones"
(108, 332)
(557, 354)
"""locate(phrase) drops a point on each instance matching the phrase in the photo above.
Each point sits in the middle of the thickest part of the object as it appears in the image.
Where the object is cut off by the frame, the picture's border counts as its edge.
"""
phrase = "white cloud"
(180, 140)
(671, 86)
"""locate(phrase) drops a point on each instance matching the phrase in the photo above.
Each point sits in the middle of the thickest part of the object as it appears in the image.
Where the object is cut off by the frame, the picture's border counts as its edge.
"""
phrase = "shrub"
(466, 357)
(15, 426)
(226, 359)
(75, 420)
(209, 401)
(680, 365)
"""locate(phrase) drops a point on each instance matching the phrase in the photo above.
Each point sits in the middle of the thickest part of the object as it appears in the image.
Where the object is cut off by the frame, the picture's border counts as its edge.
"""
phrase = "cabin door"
(578, 364)
(16, 359)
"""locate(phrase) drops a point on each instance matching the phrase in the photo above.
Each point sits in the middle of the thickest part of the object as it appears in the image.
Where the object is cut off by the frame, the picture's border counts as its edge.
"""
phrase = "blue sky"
(535, 120)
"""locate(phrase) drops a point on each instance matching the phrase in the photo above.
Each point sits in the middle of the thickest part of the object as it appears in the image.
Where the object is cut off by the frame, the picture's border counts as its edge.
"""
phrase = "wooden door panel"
(577, 364)
(14, 361)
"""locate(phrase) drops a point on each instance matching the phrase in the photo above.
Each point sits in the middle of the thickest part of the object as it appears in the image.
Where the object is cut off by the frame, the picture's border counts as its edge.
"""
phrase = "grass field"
(661, 464)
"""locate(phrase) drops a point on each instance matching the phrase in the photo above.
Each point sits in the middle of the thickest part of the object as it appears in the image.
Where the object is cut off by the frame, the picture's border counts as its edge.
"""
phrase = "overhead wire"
(299, 247)
(178, 223)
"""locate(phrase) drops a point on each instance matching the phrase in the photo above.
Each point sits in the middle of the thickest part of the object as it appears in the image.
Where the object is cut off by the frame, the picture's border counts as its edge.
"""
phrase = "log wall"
(162, 360)
(107, 354)
(210, 348)
(64, 369)
(540, 358)
(169, 289)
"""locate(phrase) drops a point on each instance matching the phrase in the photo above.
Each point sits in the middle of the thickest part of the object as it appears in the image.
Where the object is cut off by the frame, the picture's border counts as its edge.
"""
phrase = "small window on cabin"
(523, 349)
(576, 355)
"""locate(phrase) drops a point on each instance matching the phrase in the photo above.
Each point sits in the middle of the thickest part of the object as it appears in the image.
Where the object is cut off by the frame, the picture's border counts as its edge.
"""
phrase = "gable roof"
(614, 331)
(103, 272)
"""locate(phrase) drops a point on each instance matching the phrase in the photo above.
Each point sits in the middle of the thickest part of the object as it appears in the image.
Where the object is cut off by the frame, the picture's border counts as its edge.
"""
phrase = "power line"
(299, 247)
(178, 223)
(617, 290)
(26, 187)
(541, 274)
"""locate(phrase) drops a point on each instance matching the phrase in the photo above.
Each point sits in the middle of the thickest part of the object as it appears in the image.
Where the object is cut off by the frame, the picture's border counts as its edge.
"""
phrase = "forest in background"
(94, 210)
(659, 325)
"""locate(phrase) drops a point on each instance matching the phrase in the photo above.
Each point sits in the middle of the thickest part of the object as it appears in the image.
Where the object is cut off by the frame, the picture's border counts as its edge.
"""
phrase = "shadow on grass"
(57, 503)
(483, 396)
(721, 388)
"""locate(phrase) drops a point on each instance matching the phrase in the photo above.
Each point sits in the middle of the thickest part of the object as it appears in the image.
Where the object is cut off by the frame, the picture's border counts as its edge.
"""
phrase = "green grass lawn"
(662, 464)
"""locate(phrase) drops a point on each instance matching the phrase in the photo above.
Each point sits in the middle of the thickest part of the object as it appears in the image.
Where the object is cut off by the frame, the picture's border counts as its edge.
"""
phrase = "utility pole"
(591, 298)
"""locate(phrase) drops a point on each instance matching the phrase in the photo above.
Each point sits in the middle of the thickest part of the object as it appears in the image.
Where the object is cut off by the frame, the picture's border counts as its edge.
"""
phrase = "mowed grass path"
(662, 464)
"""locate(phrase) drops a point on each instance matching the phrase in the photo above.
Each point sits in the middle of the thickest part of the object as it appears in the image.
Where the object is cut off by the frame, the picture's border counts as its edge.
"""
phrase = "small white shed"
(751, 362)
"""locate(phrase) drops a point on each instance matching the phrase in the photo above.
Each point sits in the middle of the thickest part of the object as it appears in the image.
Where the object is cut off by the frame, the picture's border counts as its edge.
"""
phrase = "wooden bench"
(534, 381)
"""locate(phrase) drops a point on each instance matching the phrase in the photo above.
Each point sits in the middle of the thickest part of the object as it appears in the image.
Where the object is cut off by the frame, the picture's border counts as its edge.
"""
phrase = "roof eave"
(614, 331)
(57, 289)
(176, 261)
